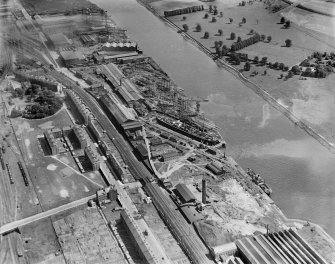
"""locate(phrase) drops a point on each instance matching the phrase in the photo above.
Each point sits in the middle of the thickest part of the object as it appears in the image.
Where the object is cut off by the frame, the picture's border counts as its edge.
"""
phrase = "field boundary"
(258, 90)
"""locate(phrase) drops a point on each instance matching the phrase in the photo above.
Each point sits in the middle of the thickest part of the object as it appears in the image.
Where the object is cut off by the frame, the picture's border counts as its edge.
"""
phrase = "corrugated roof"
(185, 192)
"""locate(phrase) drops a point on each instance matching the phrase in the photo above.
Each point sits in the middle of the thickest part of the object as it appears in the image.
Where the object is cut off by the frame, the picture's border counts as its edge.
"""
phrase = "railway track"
(186, 235)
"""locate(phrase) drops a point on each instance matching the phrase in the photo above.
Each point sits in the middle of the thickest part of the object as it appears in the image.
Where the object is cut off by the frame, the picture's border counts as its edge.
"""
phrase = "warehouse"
(284, 247)
(184, 193)
(120, 46)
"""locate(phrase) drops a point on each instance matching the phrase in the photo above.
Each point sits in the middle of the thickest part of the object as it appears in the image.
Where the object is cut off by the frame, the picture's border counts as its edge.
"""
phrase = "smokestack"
(204, 194)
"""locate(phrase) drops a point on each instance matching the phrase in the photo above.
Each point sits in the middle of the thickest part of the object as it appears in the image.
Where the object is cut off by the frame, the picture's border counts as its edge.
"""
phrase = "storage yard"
(128, 170)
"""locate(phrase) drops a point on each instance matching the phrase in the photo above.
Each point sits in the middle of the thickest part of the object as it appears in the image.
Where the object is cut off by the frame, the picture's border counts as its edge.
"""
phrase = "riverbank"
(257, 89)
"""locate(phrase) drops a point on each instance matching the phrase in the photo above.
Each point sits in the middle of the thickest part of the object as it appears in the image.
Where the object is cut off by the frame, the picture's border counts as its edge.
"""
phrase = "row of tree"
(240, 44)
(182, 11)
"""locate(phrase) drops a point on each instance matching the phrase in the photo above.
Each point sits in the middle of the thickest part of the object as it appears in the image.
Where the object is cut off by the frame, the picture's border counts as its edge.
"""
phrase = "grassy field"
(56, 178)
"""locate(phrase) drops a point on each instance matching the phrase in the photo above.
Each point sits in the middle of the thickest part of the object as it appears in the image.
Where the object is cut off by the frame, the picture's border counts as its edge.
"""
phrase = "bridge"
(22, 222)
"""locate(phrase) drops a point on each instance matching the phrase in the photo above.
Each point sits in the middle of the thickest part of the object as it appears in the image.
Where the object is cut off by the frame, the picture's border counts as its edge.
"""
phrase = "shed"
(185, 194)
(142, 150)
(191, 214)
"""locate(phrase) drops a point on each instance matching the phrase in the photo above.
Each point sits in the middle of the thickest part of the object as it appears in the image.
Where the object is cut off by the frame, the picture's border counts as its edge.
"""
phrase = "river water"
(299, 170)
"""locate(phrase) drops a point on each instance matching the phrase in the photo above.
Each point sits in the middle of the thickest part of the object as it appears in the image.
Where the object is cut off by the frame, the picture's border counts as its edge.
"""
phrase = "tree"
(184, 18)
(232, 36)
(256, 59)
(221, 14)
(239, 39)
(288, 43)
(269, 38)
(262, 37)
(247, 66)
(275, 65)
(213, 19)
(220, 32)
(251, 32)
(281, 66)
(264, 60)
(308, 72)
(224, 50)
(210, 8)
(215, 12)
(265, 72)
(282, 20)
(287, 24)
(296, 70)
(198, 28)
(206, 16)
(230, 20)
(244, 20)
(206, 35)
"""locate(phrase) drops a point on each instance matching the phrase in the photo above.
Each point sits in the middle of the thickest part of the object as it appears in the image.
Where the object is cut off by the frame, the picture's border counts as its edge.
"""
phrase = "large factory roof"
(185, 193)
(120, 44)
(122, 114)
(284, 247)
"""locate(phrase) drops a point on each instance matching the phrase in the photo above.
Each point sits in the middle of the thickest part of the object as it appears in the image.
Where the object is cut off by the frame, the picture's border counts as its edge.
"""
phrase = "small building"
(156, 141)
(142, 150)
(191, 214)
(57, 132)
(214, 168)
(93, 158)
(169, 156)
(226, 250)
(184, 193)
(72, 58)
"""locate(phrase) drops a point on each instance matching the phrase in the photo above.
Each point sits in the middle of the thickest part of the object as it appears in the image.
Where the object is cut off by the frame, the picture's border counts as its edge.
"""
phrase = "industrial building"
(72, 58)
(121, 115)
(134, 231)
(184, 193)
(284, 247)
(84, 113)
(224, 250)
(125, 88)
(50, 139)
(93, 158)
(80, 136)
(39, 78)
(88, 40)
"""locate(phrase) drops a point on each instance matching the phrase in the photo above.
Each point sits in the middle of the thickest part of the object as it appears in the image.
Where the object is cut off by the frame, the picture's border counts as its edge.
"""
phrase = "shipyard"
(107, 158)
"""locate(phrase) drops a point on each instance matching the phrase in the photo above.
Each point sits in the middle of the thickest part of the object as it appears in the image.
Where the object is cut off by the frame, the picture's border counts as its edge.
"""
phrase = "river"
(299, 170)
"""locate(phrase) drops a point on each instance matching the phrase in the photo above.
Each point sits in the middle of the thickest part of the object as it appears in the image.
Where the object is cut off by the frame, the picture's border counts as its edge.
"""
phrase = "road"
(13, 225)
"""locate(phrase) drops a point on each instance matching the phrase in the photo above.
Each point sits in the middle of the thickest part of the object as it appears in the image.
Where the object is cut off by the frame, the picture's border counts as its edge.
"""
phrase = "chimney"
(204, 194)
